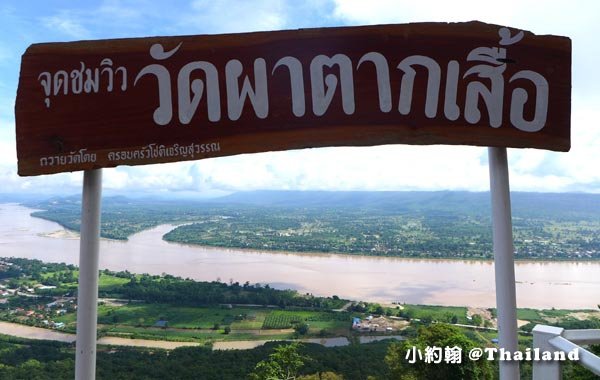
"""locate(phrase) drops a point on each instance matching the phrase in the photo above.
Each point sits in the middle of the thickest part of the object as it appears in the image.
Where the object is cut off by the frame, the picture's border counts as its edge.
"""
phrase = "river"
(572, 285)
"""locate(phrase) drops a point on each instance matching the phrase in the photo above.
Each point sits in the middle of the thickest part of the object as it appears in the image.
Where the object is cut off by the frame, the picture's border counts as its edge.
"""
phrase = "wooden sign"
(92, 104)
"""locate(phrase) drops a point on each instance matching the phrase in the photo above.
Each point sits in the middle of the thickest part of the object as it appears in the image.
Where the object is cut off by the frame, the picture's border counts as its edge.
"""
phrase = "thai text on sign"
(92, 104)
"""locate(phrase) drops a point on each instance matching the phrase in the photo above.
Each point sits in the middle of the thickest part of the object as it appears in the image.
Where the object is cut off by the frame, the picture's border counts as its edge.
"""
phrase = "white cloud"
(393, 167)
(577, 20)
(378, 168)
(230, 16)
(68, 24)
(518, 13)
(123, 12)
(8, 150)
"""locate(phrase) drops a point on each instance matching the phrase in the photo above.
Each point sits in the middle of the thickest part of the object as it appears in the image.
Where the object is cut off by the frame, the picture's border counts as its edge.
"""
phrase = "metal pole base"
(504, 260)
(87, 293)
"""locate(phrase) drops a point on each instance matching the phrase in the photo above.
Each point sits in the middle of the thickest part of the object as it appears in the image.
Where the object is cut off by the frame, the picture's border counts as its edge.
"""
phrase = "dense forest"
(407, 224)
(40, 360)
(177, 291)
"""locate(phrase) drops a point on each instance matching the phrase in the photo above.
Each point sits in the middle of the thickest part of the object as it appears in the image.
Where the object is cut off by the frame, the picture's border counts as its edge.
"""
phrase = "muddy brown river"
(572, 285)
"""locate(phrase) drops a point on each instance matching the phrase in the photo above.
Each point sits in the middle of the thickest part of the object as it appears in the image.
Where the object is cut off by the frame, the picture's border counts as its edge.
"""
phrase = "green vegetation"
(27, 359)
(281, 320)
(436, 313)
(407, 224)
(23, 359)
(283, 363)
(121, 217)
(173, 309)
(457, 225)
(164, 307)
(439, 335)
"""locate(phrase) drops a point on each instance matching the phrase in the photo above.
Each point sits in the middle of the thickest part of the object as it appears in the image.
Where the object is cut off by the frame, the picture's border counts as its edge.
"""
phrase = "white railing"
(555, 339)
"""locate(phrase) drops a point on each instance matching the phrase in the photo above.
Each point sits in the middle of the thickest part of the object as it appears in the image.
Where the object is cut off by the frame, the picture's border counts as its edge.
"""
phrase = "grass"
(282, 320)
(252, 320)
(238, 318)
(437, 313)
(107, 281)
(153, 333)
(556, 313)
(197, 323)
(529, 314)
(147, 315)
(46, 275)
(331, 321)
(200, 336)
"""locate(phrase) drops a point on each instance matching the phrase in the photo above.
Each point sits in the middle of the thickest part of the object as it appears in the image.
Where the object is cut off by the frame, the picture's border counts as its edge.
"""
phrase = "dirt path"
(345, 307)
(485, 314)
(30, 332)
(263, 332)
(165, 345)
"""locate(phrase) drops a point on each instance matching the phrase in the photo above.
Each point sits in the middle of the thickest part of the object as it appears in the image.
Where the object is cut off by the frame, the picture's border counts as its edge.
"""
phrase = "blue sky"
(395, 167)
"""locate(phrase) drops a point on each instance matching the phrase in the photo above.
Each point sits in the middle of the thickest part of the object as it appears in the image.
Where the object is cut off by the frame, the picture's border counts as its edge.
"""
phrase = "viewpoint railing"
(556, 339)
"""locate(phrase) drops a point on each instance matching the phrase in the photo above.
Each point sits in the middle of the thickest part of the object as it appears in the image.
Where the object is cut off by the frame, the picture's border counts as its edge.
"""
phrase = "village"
(33, 312)
(380, 324)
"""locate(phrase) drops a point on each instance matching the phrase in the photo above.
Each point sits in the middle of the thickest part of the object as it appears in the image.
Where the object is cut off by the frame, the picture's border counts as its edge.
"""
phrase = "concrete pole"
(87, 293)
(504, 260)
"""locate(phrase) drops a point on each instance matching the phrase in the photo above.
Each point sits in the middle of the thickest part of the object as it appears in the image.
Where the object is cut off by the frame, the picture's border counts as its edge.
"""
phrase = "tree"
(407, 313)
(477, 320)
(227, 330)
(427, 319)
(282, 364)
(301, 328)
(573, 370)
(322, 376)
(436, 335)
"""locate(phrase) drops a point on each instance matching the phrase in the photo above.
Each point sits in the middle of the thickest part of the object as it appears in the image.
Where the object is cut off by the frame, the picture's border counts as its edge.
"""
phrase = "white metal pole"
(87, 293)
(504, 260)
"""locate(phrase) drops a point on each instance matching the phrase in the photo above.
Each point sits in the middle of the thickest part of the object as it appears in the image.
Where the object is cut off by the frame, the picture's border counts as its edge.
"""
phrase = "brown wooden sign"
(92, 104)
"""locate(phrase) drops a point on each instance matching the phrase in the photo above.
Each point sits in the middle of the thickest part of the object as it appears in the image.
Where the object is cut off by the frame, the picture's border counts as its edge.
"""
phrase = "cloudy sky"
(392, 167)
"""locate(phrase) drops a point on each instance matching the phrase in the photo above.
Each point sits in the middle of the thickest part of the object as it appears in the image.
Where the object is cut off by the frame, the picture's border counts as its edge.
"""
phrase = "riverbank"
(362, 255)
(38, 333)
(540, 285)
(67, 233)
(62, 234)
(440, 225)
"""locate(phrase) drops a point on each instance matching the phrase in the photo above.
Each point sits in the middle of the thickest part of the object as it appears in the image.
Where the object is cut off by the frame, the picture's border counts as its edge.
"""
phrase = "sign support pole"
(504, 261)
(87, 293)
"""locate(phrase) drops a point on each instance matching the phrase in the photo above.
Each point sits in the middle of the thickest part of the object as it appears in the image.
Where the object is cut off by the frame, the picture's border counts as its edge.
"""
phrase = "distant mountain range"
(571, 205)
(524, 204)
